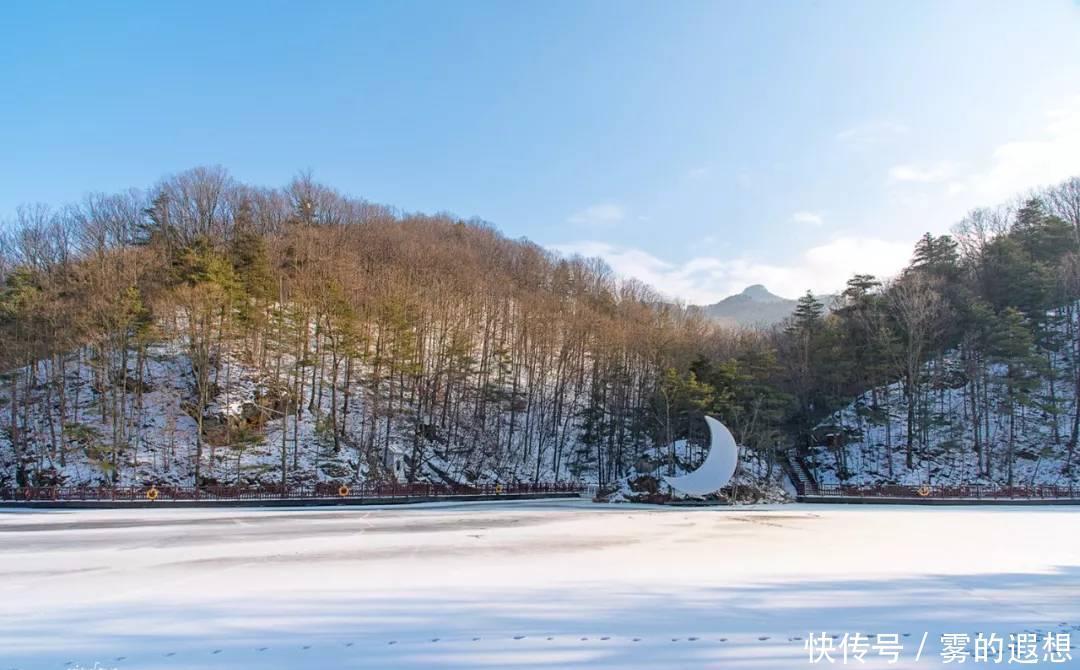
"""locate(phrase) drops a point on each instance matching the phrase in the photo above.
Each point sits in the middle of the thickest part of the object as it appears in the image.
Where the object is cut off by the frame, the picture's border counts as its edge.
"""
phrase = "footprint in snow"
(605, 638)
(637, 639)
(392, 642)
(692, 639)
(262, 649)
(763, 638)
(476, 639)
(216, 651)
(348, 644)
(306, 647)
(173, 653)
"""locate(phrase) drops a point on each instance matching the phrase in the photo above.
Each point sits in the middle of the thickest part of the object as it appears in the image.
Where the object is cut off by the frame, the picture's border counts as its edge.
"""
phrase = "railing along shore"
(323, 490)
(951, 491)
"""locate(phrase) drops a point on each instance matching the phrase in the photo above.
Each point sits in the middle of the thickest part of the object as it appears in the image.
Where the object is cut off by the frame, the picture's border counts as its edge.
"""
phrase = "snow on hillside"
(243, 430)
(863, 434)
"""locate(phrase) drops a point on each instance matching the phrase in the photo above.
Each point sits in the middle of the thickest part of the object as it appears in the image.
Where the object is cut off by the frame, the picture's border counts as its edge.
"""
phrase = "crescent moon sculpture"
(717, 468)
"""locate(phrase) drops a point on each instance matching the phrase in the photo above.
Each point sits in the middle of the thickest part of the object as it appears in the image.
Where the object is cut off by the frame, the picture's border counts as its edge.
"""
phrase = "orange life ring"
(923, 491)
(152, 494)
(343, 491)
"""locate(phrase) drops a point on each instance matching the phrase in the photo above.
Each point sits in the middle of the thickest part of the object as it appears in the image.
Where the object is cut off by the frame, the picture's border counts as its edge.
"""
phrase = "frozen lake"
(524, 585)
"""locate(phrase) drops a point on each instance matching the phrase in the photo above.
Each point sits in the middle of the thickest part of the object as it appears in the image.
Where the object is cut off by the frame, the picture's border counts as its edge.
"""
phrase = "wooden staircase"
(799, 474)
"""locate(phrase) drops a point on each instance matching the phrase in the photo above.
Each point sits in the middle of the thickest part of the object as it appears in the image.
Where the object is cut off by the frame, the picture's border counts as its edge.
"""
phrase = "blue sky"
(701, 146)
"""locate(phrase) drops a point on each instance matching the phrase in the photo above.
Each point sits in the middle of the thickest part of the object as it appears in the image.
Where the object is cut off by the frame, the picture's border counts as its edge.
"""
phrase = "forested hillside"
(209, 331)
(966, 368)
(205, 331)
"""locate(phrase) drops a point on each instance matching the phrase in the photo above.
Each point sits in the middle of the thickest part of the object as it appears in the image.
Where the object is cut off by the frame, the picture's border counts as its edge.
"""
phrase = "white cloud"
(1021, 165)
(810, 218)
(706, 279)
(871, 133)
(600, 214)
(699, 172)
(924, 174)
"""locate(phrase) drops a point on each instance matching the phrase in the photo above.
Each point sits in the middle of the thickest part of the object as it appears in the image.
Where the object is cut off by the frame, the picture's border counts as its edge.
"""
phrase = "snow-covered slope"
(866, 441)
(149, 411)
(242, 431)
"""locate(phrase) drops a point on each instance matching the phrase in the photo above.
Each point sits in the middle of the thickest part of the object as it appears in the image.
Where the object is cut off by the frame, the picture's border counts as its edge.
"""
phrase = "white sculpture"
(717, 468)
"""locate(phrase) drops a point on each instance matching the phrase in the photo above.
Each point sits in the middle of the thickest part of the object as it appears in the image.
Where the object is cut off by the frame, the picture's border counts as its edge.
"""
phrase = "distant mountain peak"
(760, 293)
(755, 307)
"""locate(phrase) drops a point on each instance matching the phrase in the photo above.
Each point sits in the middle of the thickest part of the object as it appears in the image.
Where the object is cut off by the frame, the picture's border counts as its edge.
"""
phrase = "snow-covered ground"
(524, 585)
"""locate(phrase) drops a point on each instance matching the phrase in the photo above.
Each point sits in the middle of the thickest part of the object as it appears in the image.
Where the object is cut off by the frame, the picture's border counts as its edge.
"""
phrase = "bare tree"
(918, 308)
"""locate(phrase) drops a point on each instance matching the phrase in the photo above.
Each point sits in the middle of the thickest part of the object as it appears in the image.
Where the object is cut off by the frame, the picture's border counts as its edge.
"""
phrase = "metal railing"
(322, 490)
(973, 491)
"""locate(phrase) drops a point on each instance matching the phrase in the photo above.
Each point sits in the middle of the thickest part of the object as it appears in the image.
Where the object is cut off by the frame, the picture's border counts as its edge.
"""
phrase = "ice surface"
(521, 585)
